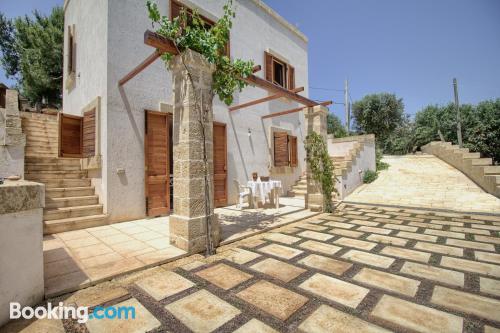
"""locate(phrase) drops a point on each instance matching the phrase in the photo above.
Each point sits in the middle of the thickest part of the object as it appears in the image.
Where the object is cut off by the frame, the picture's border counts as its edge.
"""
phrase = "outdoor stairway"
(70, 199)
(300, 188)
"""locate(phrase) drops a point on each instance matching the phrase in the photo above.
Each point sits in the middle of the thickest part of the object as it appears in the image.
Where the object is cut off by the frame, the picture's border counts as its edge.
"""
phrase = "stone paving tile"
(420, 237)
(487, 256)
(327, 319)
(416, 317)
(101, 260)
(387, 281)
(438, 248)
(329, 265)
(272, 299)
(144, 321)
(471, 266)
(280, 251)
(241, 256)
(281, 238)
(96, 295)
(356, 243)
(224, 276)
(487, 239)
(278, 269)
(320, 247)
(60, 267)
(400, 227)
(336, 290)
(34, 326)
(489, 286)
(340, 225)
(364, 223)
(374, 230)
(253, 326)
(451, 223)
(315, 235)
(487, 227)
(480, 306)
(470, 230)
(489, 329)
(445, 233)
(434, 273)
(470, 244)
(368, 258)
(348, 233)
(406, 254)
(426, 225)
(164, 284)
(387, 240)
(202, 311)
(312, 227)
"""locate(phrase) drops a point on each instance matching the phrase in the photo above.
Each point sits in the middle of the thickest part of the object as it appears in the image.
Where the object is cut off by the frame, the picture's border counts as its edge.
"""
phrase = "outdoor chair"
(244, 192)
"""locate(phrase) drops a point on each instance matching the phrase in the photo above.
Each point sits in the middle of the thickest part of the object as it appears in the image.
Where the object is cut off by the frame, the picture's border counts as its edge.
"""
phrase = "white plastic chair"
(244, 192)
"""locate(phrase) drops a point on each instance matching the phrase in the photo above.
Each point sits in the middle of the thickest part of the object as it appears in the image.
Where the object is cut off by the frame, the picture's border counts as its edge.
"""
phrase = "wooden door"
(220, 165)
(70, 135)
(157, 160)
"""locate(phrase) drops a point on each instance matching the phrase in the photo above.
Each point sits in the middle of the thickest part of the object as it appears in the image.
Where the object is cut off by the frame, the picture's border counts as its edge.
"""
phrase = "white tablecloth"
(262, 189)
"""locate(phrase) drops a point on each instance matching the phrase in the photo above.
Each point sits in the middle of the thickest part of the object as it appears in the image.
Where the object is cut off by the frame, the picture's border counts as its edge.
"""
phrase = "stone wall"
(12, 139)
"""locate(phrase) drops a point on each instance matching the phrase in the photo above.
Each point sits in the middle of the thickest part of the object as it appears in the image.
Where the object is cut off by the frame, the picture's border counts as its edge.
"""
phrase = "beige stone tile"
(278, 269)
(420, 237)
(387, 240)
(34, 326)
(336, 290)
(69, 235)
(313, 227)
(129, 247)
(56, 254)
(60, 267)
(486, 256)
(124, 225)
(445, 233)
(320, 247)
(426, 225)
(202, 311)
(385, 221)
(52, 243)
(356, 243)
(329, 265)
(480, 306)
(489, 329)
(387, 281)
(368, 258)
(281, 238)
(486, 227)
(470, 231)
(160, 243)
(144, 321)
(327, 319)
(81, 242)
(280, 251)
(164, 284)
(340, 225)
(470, 244)
(148, 235)
(451, 223)
(471, 266)
(253, 242)
(192, 265)
(241, 256)
(315, 235)
(101, 259)
(65, 282)
(333, 218)
(160, 256)
(416, 317)
(97, 295)
(224, 276)
(487, 239)
(91, 251)
(489, 286)
(364, 223)
(400, 227)
(254, 326)
(438, 248)
(385, 216)
(103, 232)
(134, 230)
(117, 238)
(375, 230)
(268, 297)
(406, 254)
(97, 273)
(434, 273)
(348, 233)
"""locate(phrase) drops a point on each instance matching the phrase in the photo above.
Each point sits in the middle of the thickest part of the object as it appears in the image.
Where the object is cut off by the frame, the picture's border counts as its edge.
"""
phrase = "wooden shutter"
(70, 51)
(268, 60)
(89, 133)
(70, 136)
(292, 143)
(291, 77)
(220, 164)
(281, 156)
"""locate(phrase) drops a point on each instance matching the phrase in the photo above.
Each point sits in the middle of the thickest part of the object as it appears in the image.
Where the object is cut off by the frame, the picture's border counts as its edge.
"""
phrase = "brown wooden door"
(220, 165)
(70, 135)
(157, 160)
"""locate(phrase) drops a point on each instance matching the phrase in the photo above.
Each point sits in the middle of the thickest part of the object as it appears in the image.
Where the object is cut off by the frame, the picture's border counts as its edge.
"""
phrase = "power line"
(320, 88)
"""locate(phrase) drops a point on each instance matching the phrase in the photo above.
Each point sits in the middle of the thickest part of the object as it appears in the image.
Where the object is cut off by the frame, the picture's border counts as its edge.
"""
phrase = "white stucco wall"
(254, 31)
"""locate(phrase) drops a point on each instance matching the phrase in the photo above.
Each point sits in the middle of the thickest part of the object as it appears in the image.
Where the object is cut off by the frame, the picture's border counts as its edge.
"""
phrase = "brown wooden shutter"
(175, 9)
(291, 77)
(89, 133)
(292, 143)
(70, 50)
(70, 135)
(268, 59)
(281, 156)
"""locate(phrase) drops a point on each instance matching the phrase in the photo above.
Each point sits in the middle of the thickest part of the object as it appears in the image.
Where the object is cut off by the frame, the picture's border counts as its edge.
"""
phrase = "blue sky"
(412, 48)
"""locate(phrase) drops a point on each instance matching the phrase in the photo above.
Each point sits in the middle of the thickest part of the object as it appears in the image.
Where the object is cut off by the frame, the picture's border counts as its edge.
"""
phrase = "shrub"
(369, 176)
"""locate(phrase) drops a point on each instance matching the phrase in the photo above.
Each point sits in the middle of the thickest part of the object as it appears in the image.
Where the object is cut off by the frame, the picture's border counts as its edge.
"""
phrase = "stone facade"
(12, 139)
(188, 226)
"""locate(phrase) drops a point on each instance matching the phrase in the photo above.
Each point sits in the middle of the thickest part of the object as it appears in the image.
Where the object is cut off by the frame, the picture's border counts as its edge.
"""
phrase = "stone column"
(188, 228)
(315, 122)
(12, 139)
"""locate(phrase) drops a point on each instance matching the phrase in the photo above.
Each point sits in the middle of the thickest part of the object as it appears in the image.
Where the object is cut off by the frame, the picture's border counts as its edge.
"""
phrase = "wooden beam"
(293, 110)
(160, 43)
(262, 100)
(256, 68)
(148, 61)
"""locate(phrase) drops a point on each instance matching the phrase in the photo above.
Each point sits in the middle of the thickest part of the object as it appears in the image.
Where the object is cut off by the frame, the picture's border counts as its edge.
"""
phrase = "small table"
(261, 189)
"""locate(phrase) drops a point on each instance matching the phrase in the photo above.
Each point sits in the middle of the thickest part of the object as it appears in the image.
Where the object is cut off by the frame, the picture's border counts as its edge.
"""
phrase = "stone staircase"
(300, 188)
(70, 199)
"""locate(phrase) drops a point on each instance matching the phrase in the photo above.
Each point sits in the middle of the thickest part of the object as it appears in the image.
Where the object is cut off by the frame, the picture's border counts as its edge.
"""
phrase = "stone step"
(54, 183)
(471, 155)
(41, 141)
(68, 212)
(73, 223)
(58, 160)
(491, 170)
(38, 150)
(41, 147)
(482, 161)
(71, 201)
(299, 187)
(64, 192)
(38, 154)
(51, 167)
(297, 193)
(55, 175)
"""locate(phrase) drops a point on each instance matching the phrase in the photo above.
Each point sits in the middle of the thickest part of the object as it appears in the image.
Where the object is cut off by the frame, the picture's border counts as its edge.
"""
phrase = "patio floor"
(77, 259)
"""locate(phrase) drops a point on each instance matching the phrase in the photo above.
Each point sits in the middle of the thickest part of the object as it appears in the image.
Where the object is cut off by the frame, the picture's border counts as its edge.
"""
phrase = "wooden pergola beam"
(148, 61)
(159, 42)
(262, 100)
(293, 110)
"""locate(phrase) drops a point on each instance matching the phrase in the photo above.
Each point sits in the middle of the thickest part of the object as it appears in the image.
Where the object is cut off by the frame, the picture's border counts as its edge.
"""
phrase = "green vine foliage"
(321, 167)
(188, 31)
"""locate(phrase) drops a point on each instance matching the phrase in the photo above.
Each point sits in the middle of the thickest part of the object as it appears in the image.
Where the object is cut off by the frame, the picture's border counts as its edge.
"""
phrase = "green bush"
(369, 176)
(378, 160)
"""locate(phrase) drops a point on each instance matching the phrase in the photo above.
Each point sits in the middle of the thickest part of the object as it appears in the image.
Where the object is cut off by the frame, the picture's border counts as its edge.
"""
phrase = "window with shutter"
(291, 77)
(278, 71)
(281, 154)
(70, 51)
(292, 143)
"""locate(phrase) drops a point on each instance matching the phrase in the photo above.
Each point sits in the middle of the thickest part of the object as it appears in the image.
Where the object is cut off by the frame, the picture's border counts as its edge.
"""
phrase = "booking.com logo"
(80, 314)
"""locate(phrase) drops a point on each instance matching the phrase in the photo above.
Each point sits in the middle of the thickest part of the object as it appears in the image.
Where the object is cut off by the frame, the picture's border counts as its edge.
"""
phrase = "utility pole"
(346, 105)
(457, 106)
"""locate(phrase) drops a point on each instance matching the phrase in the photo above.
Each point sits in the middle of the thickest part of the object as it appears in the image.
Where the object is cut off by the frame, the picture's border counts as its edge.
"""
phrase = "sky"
(413, 48)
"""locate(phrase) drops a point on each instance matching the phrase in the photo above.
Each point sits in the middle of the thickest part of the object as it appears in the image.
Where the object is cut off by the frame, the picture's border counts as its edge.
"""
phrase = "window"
(285, 149)
(292, 144)
(279, 72)
(71, 50)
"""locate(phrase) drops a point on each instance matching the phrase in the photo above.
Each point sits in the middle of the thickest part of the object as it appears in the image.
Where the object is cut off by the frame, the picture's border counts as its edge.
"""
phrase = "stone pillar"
(188, 229)
(316, 121)
(12, 139)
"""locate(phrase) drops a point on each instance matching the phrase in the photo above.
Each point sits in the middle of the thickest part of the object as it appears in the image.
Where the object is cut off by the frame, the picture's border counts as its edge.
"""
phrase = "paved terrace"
(425, 181)
(362, 269)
